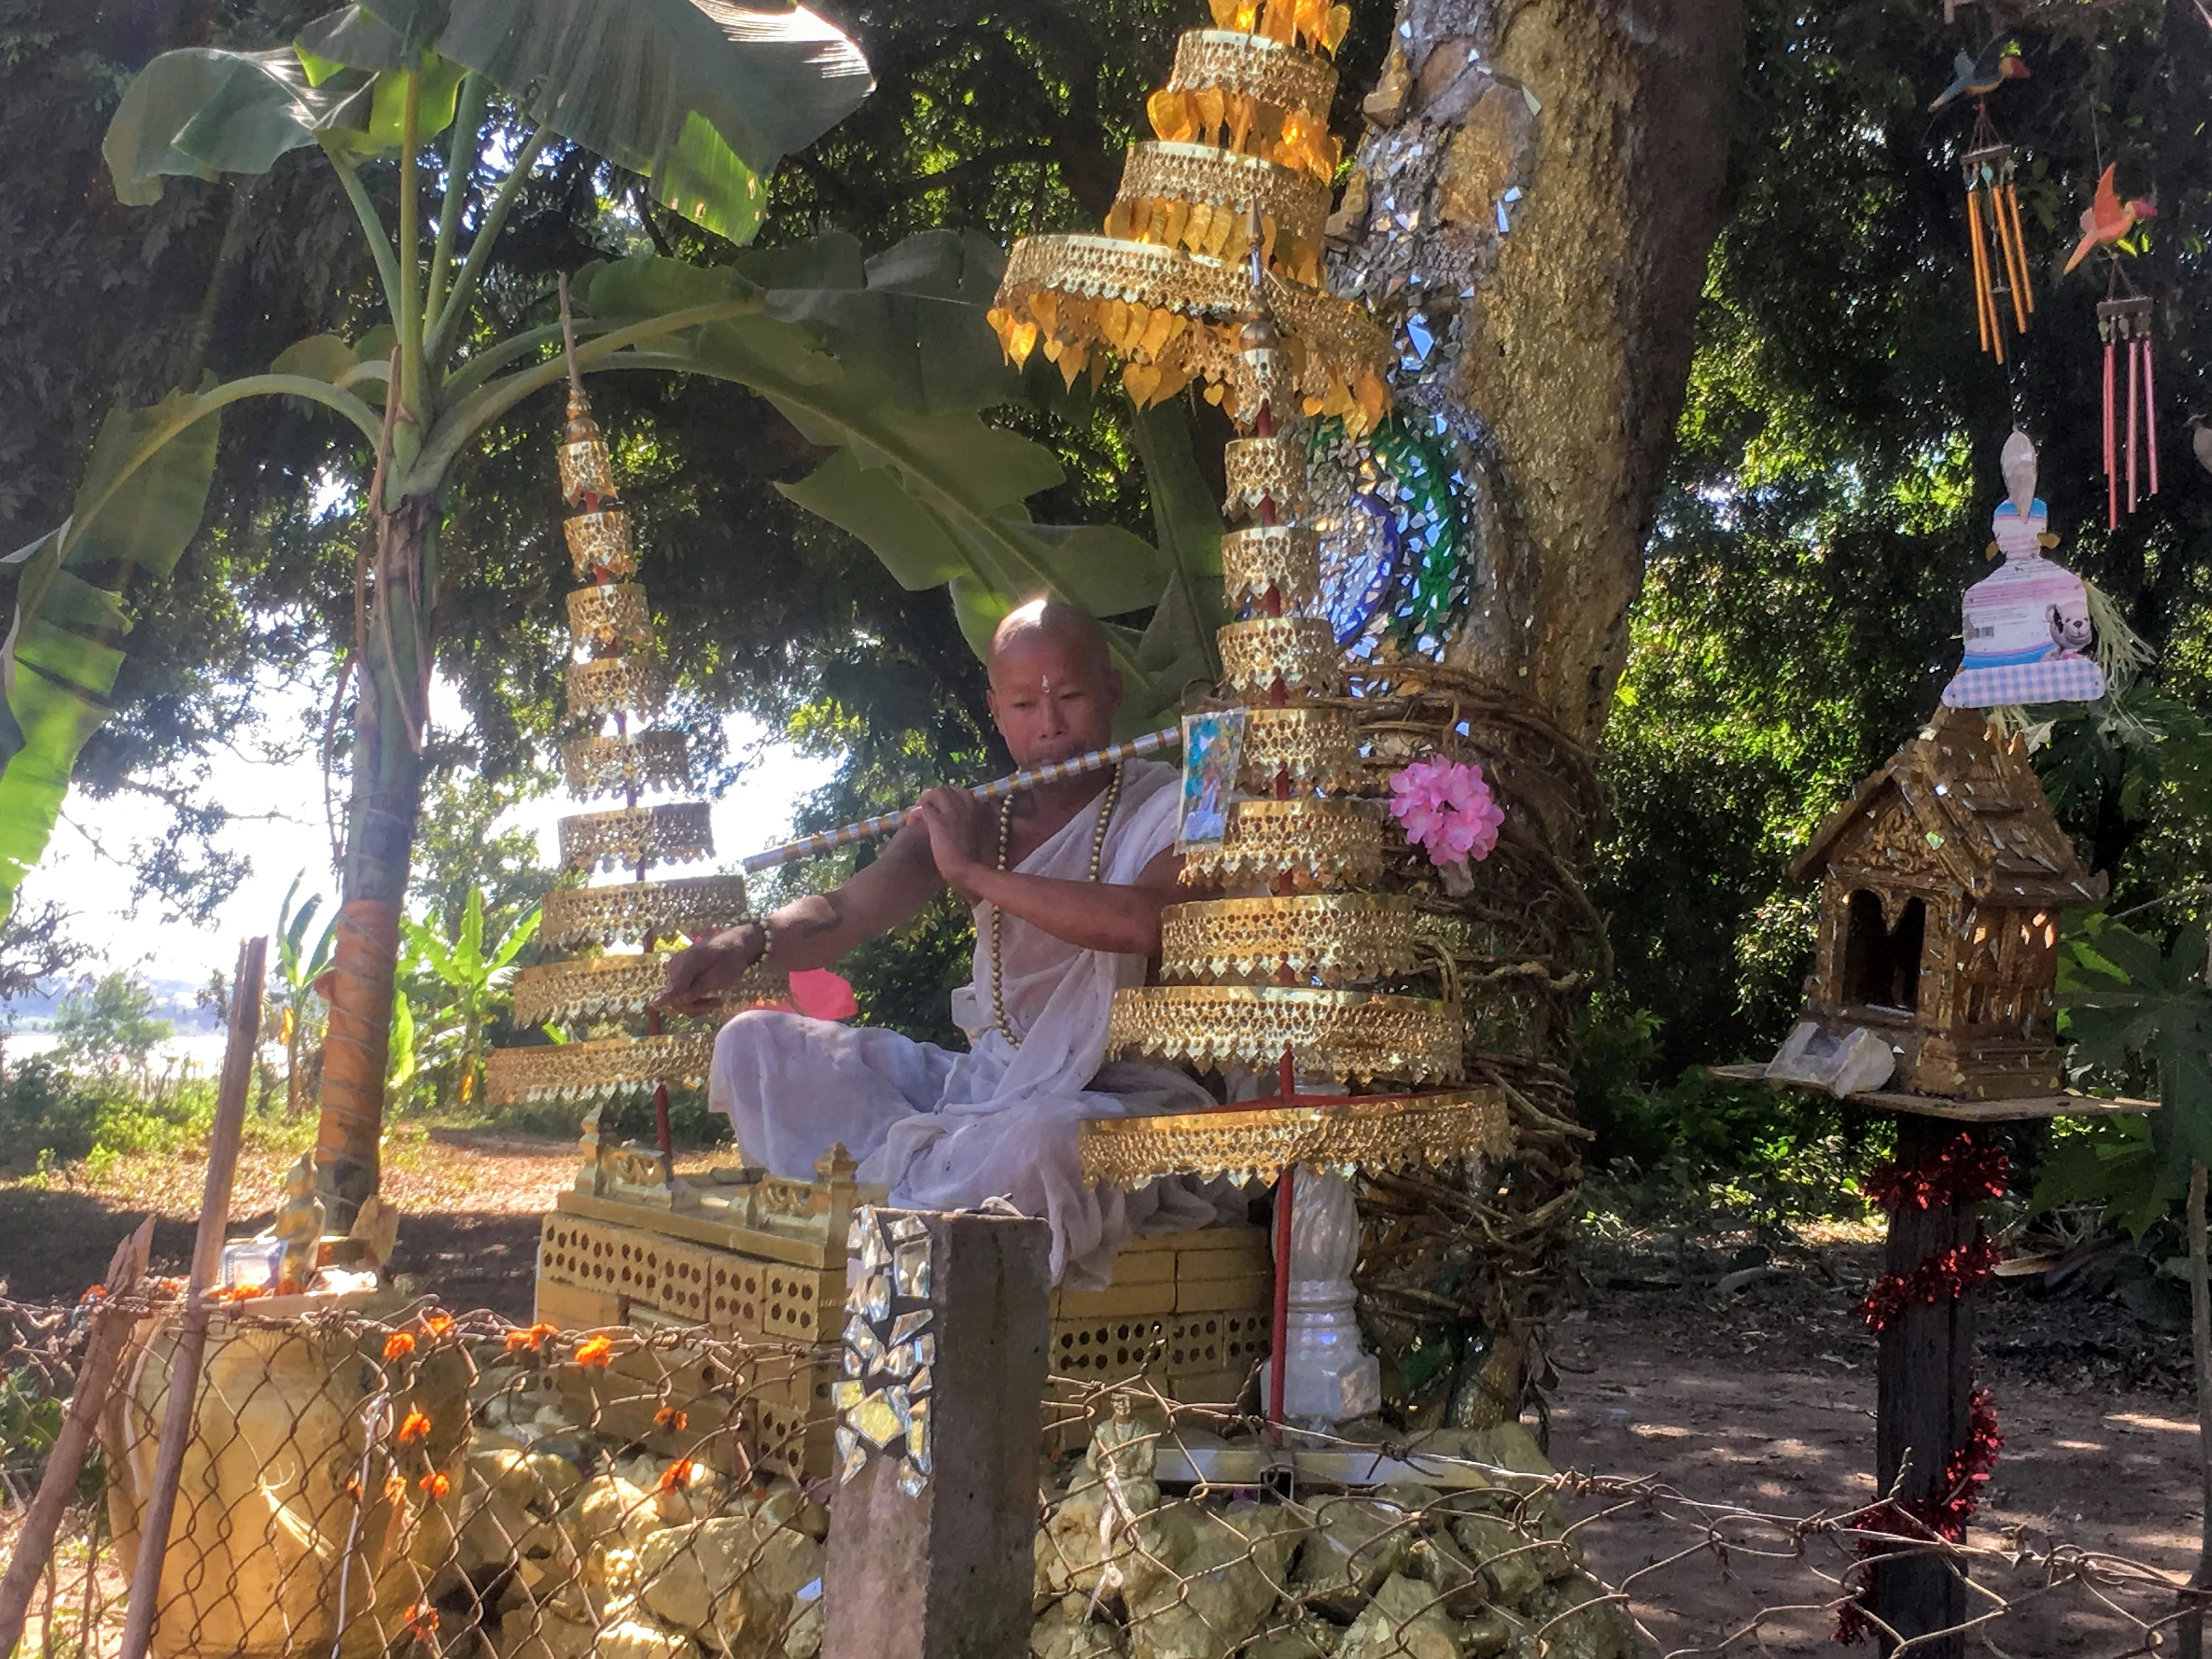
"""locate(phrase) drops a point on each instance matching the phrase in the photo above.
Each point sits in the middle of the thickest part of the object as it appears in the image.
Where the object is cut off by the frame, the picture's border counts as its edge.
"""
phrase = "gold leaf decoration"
(1408, 1132)
(1364, 1035)
(1330, 937)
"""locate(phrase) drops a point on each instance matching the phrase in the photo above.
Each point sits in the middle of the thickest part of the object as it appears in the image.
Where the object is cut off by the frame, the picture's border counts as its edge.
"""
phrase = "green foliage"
(291, 998)
(49, 1116)
(73, 610)
(469, 974)
(728, 101)
(108, 1028)
(2110, 1162)
(30, 1421)
(1702, 1148)
(2124, 997)
(888, 363)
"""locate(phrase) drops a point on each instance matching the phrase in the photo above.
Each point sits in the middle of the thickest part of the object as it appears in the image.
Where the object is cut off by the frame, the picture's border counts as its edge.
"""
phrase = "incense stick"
(1028, 777)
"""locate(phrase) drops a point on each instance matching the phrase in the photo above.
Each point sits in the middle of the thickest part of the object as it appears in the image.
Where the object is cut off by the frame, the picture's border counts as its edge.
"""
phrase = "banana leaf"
(888, 362)
(74, 602)
(702, 97)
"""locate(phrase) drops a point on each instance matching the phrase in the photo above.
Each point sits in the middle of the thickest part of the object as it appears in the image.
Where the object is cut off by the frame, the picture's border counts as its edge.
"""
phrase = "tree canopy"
(1827, 501)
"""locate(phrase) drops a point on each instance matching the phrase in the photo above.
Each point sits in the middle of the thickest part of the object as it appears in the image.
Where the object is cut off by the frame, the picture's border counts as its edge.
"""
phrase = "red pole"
(1279, 1335)
(2111, 474)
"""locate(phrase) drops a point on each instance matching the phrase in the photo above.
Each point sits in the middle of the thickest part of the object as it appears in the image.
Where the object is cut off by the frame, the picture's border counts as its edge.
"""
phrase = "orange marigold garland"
(595, 1350)
(414, 1426)
(399, 1345)
(529, 1339)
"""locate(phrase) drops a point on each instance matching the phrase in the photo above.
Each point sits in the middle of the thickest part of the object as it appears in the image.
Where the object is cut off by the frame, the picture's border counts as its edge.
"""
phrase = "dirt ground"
(1762, 1396)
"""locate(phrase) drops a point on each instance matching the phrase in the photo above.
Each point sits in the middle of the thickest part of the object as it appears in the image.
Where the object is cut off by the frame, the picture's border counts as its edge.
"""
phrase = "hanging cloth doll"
(2028, 638)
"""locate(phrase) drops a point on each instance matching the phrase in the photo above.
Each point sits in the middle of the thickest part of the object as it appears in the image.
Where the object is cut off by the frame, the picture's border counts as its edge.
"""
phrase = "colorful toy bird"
(2107, 220)
(1978, 77)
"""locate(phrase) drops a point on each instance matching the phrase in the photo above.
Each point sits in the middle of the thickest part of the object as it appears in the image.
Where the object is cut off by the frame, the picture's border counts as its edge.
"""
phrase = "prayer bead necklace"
(1005, 841)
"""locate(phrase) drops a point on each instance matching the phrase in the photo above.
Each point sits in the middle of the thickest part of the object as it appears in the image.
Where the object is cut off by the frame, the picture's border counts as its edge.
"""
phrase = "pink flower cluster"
(1446, 806)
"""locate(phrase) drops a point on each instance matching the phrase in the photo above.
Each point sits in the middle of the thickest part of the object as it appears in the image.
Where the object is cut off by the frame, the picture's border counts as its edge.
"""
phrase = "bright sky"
(755, 814)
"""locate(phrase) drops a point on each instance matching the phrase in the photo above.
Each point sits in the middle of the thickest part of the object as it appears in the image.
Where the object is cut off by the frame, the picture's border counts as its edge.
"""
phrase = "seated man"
(1067, 882)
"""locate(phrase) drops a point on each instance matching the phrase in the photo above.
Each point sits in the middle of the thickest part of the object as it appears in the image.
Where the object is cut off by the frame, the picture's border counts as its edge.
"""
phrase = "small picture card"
(1213, 749)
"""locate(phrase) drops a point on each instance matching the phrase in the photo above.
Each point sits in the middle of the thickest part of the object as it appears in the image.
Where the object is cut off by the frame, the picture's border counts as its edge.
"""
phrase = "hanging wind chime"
(2000, 255)
(2123, 318)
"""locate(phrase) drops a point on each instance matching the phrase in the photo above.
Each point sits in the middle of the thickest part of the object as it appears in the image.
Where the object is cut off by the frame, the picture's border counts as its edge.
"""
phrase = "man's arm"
(1092, 915)
(813, 932)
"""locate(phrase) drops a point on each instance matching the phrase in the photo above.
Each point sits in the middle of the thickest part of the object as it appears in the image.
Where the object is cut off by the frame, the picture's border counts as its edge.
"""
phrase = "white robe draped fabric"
(947, 1131)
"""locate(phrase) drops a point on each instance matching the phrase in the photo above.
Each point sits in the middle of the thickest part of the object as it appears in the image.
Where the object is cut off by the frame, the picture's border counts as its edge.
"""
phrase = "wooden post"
(1923, 1391)
(945, 1573)
(34, 1544)
(191, 1332)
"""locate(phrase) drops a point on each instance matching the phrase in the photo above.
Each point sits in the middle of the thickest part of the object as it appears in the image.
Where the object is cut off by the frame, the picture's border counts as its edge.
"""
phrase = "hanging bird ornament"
(2124, 324)
(1978, 77)
(1999, 257)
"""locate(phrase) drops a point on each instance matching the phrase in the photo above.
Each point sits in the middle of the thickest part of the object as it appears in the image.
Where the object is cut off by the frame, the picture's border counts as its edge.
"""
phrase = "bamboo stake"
(34, 1545)
(192, 1330)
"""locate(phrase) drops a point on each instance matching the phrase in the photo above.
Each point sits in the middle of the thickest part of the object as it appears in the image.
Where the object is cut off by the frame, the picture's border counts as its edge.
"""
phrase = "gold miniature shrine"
(1941, 882)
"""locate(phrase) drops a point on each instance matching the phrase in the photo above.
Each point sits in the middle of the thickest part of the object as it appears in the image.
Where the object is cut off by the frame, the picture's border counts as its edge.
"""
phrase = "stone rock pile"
(1405, 1571)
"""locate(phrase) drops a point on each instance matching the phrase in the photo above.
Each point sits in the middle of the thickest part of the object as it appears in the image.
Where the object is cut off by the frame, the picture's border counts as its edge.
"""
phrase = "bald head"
(1054, 687)
(1057, 622)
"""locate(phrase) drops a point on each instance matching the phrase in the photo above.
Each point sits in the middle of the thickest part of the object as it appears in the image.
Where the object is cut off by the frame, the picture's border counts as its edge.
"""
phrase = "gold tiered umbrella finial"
(613, 678)
(1241, 131)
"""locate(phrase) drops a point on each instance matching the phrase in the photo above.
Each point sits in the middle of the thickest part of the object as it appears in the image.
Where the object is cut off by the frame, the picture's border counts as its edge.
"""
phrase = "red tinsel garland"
(1943, 1277)
(1964, 1172)
(1966, 1472)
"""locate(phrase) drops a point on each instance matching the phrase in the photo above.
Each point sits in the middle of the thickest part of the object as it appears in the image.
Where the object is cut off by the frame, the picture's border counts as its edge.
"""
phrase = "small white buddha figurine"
(2026, 628)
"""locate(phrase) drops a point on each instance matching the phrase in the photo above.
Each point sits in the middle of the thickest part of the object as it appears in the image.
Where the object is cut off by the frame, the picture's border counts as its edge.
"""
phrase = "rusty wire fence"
(422, 1485)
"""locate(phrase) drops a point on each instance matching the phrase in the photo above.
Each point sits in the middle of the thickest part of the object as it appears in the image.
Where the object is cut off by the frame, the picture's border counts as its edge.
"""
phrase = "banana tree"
(298, 968)
(699, 98)
(473, 976)
(887, 362)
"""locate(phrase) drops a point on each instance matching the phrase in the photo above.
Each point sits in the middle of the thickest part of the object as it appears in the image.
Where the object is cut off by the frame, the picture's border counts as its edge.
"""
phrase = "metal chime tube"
(2135, 397)
(2015, 256)
(2025, 292)
(2150, 417)
(1984, 303)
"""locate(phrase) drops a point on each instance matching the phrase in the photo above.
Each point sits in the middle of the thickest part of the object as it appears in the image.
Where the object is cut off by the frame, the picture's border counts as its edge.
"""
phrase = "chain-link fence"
(420, 1485)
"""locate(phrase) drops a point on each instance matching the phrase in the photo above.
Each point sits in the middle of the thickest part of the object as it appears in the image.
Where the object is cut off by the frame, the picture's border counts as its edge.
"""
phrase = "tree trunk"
(380, 819)
(1536, 197)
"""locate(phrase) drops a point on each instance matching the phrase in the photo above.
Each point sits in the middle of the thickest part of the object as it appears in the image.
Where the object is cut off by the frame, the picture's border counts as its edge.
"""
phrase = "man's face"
(1051, 700)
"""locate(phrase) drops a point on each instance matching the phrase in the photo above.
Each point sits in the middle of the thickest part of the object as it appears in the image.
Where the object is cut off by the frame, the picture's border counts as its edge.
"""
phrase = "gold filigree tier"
(1268, 471)
(1362, 1035)
(614, 685)
(580, 1071)
(599, 544)
(614, 987)
(1315, 843)
(1284, 558)
(584, 468)
(1300, 651)
(682, 833)
(1316, 748)
(1197, 197)
(1392, 1132)
(1173, 317)
(631, 912)
(1250, 95)
(613, 766)
(1330, 937)
(610, 617)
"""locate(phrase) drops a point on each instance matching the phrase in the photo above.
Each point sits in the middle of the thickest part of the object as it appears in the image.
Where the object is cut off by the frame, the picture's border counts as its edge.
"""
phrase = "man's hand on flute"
(960, 830)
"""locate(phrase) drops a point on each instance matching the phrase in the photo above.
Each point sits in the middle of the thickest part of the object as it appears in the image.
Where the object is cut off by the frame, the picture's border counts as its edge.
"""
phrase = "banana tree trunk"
(380, 819)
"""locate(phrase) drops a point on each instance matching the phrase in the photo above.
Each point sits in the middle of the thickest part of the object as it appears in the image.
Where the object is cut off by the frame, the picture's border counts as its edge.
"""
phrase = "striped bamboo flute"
(1030, 777)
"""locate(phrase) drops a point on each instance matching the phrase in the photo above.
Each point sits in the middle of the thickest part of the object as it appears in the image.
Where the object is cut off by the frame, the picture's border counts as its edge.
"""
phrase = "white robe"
(946, 1131)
